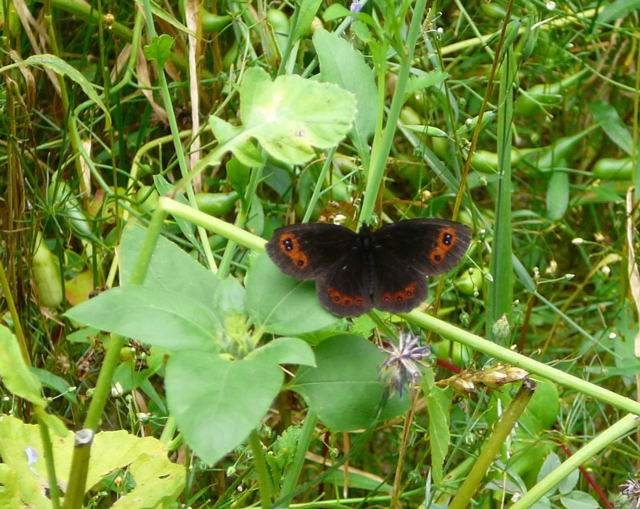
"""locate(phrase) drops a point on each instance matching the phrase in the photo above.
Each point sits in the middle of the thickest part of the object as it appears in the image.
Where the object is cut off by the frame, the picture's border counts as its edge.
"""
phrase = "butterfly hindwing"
(306, 251)
(430, 246)
(346, 289)
(398, 288)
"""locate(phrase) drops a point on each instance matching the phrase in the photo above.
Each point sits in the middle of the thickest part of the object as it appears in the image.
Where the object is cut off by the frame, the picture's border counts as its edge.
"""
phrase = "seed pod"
(46, 275)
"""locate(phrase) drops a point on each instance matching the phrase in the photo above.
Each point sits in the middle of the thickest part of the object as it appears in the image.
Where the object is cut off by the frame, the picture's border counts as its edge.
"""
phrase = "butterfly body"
(385, 269)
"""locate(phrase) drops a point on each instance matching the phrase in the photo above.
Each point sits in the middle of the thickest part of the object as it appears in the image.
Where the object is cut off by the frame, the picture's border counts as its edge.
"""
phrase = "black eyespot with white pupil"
(288, 244)
(447, 238)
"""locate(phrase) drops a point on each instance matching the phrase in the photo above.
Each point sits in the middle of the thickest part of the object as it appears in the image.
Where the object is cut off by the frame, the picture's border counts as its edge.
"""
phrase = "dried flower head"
(401, 369)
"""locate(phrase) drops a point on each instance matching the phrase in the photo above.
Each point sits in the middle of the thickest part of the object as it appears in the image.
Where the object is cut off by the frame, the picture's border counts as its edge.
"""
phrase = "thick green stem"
(487, 347)
(492, 446)
(604, 439)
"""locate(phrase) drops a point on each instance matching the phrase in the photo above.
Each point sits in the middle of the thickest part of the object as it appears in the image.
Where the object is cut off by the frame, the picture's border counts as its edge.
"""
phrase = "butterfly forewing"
(431, 246)
(306, 251)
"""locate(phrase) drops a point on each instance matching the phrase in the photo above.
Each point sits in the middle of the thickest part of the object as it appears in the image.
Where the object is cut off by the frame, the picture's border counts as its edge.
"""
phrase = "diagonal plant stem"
(604, 439)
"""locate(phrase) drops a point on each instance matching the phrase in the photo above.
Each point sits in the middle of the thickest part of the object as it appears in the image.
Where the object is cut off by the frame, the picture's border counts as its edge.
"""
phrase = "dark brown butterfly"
(385, 269)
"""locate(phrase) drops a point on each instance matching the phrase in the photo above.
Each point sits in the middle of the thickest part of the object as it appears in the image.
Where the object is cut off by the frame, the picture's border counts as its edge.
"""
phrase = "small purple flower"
(402, 367)
(356, 6)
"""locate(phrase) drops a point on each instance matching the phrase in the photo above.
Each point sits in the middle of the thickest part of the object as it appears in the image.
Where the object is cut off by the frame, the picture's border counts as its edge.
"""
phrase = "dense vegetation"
(149, 148)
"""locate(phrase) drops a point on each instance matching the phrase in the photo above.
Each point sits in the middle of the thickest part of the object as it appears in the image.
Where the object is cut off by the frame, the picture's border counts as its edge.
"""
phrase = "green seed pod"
(46, 275)
(216, 204)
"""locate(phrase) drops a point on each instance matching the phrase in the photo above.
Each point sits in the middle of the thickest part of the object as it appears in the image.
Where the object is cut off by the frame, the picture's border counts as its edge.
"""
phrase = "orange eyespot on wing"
(406, 294)
(445, 242)
(340, 299)
(290, 246)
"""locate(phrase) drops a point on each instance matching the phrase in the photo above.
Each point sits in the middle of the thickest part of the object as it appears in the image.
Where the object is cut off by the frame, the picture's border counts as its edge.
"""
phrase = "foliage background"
(552, 152)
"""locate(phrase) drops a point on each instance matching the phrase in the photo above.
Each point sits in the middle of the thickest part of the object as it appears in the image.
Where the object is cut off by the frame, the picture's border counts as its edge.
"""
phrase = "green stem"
(509, 356)
(175, 131)
(17, 324)
(264, 480)
(241, 218)
(382, 147)
(213, 224)
(604, 439)
(317, 190)
(501, 290)
(492, 446)
(54, 492)
(80, 460)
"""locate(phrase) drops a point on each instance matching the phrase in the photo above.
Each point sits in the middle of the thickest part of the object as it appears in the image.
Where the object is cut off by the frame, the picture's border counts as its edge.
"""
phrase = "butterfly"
(383, 269)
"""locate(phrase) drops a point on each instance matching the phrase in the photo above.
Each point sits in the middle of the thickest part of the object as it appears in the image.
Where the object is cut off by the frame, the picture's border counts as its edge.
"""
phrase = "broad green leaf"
(170, 269)
(245, 151)
(611, 123)
(229, 297)
(286, 351)
(14, 372)
(9, 495)
(157, 317)
(217, 402)
(550, 464)
(61, 67)
(111, 450)
(280, 304)
(579, 500)
(159, 49)
(291, 115)
(542, 411)
(557, 195)
(346, 67)
(345, 389)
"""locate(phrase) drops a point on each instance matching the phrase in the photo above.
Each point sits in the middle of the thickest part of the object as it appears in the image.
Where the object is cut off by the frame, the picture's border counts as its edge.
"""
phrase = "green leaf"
(611, 123)
(245, 151)
(229, 297)
(306, 12)
(617, 9)
(9, 495)
(542, 411)
(335, 11)
(217, 410)
(159, 49)
(342, 65)
(438, 406)
(58, 384)
(280, 304)
(151, 315)
(579, 500)
(156, 479)
(61, 67)
(345, 389)
(291, 115)
(14, 372)
(170, 269)
(557, 195)
(428, 79)
(286, 351)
